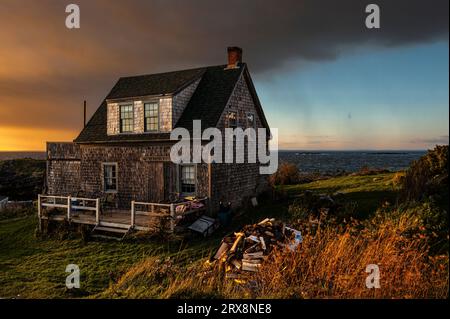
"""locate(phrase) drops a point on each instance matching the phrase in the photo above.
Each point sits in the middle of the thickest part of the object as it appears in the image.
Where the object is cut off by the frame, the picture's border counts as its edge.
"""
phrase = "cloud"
(47, 70)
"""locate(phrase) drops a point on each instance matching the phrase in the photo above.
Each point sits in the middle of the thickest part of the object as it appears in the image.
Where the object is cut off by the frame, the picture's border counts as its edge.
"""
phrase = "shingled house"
(123, 150)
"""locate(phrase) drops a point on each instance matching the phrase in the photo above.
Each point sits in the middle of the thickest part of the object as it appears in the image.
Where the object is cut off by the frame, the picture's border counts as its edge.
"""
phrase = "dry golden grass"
(330, 264)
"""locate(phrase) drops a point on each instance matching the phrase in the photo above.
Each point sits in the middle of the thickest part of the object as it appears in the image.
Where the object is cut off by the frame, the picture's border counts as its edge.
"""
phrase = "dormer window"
(126, 118)
(151, 115)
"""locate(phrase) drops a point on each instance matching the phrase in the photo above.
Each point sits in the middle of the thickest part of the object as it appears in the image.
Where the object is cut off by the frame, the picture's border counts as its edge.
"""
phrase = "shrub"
(286, 174)
(426, 176)
(398, 179)
(330, 263)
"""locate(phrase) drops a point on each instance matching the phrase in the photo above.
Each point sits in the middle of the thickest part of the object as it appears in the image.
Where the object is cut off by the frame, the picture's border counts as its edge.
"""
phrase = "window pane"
(151, 116)
(126, 118)
(188, 179)
(109, 177)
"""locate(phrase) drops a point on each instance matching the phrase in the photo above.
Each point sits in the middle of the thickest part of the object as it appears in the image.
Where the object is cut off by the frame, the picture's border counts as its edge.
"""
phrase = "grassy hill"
(35, 267)
(22, 179)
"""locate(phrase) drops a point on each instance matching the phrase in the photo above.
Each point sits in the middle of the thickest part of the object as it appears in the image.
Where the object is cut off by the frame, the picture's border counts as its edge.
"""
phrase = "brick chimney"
(234, 57)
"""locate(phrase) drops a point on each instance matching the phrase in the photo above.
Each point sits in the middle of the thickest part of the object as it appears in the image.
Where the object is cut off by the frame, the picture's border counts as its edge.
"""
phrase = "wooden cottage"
(122, 153)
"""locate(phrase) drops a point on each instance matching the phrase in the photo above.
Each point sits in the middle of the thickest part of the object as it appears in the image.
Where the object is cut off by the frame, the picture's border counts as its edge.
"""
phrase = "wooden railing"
(70, 204)
(159, 211)
(171, 211)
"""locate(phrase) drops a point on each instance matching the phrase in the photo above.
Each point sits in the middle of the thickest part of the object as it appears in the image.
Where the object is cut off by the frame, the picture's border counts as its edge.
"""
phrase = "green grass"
(32, 267)
(35, 268)
(368, 191)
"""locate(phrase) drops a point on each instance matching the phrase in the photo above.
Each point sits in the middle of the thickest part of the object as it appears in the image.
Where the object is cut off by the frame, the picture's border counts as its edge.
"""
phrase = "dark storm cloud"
(46, 67)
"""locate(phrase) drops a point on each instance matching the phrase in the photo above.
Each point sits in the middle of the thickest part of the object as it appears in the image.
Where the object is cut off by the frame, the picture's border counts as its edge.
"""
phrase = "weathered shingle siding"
(165, 114)
(113, 116)
(63, 168)
(240, 101)
(112, 121)
(236, 182)
(141, 172)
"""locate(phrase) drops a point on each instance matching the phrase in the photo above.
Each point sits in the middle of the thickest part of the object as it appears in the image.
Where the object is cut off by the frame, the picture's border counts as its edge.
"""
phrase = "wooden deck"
(116, 218)
(141, 216)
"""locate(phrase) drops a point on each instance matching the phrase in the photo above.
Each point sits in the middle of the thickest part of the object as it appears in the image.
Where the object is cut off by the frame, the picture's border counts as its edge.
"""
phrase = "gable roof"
(211, 96)
(207, 102)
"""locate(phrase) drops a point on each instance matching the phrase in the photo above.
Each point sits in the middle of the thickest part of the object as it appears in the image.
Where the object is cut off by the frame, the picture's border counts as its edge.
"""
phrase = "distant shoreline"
(322, 162)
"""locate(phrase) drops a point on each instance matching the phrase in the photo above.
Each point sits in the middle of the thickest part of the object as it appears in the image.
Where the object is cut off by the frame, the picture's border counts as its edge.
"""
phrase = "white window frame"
(180, 181)
(120, 117)
(115, 164)
(158, 116)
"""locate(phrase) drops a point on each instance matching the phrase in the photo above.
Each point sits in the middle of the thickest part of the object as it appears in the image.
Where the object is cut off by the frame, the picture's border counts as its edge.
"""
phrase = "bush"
(286, 174)
(426, 176)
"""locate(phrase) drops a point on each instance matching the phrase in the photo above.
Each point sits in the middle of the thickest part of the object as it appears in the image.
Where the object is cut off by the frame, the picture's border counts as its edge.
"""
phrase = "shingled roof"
(154, 84)
(207, 103)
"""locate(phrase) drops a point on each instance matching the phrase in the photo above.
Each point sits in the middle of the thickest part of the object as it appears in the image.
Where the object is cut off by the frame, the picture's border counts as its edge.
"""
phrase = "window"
(232, 119)
(188, 179)
(151, 117)
(126, 118)
(110, 177)
(250, 120)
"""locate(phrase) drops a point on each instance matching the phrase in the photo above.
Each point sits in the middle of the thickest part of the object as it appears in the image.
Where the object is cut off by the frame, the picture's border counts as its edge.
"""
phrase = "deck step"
(113, 225)
(111, 229)
(105, 232)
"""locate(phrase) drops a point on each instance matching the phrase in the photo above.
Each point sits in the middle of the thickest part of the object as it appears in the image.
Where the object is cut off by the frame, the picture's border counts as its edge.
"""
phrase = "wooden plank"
(155, 204)
(69, 203)
(85, 199)
(97, 211)
(53, 197)
(54, 205)
(117, 225)
(57, 218)
(84, 208)
(113, 230)
(150, 214)
(39, 212)
(132, 214)
(172, 217)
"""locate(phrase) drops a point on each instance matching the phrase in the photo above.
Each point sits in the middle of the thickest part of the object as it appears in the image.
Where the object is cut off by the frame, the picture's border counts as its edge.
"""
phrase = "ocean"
(327, 162)
(331, 162)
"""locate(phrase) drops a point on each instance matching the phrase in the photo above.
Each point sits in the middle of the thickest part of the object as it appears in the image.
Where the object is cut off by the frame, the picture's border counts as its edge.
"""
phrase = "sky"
(324, 79)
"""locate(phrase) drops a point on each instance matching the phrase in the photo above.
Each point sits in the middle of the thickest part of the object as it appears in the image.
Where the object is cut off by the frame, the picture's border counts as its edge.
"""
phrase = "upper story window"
(126, 118)
(151, 116)
(251, 120)
(110, 177)
(232, 119)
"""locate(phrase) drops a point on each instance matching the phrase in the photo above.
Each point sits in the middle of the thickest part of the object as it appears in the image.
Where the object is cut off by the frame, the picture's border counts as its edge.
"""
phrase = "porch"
(141, 215)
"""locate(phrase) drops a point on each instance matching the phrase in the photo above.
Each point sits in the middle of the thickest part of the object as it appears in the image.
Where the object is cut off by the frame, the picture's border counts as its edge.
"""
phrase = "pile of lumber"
(248, 249)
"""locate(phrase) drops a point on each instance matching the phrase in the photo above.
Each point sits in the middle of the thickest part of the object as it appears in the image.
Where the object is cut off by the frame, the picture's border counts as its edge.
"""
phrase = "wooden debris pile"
(248, 249)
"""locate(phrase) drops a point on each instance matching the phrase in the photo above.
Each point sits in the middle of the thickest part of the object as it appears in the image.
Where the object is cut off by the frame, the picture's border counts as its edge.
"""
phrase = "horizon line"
(279, 150)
